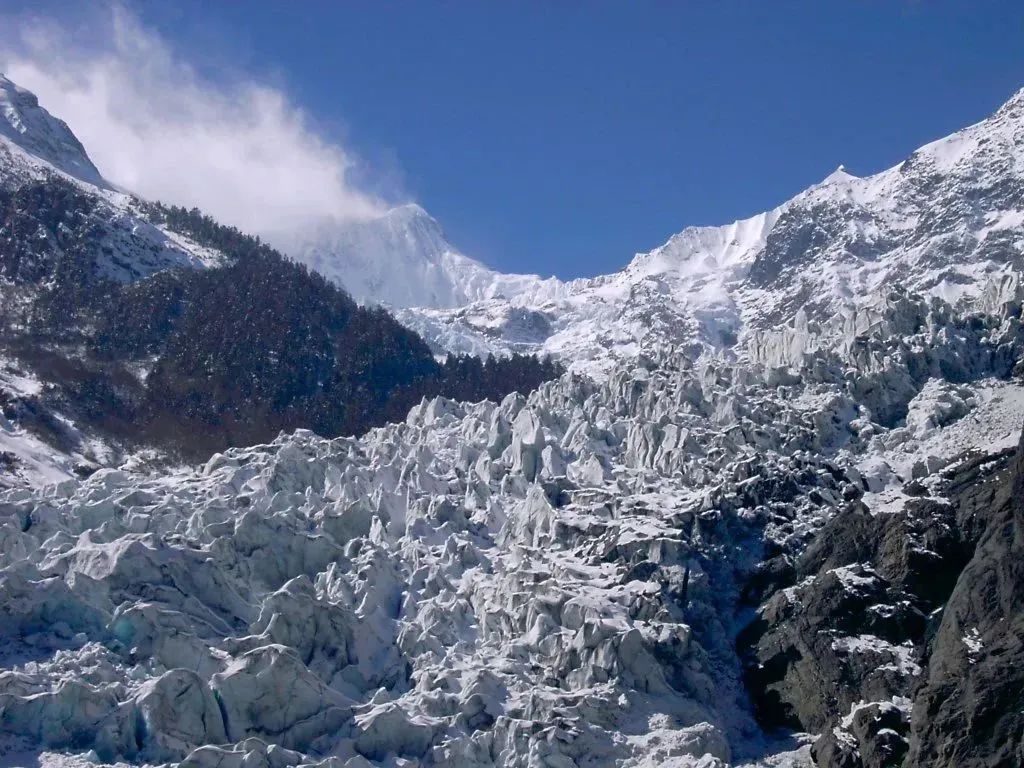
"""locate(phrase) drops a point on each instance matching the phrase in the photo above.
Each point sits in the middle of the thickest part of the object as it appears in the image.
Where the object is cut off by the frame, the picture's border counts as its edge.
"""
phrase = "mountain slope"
(31, 128)
(790, 500)
(36, 147)
(402, 259)
(58, 216)
(947, 222)
(128, 325)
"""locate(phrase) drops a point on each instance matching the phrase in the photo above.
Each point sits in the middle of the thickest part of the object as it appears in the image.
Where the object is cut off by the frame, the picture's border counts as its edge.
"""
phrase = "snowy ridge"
(29, 126)
(402, 259)
(948, 221)
(36, 146)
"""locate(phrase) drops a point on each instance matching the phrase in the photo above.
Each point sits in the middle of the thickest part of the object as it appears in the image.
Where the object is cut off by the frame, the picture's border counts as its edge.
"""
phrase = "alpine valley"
(755, 500)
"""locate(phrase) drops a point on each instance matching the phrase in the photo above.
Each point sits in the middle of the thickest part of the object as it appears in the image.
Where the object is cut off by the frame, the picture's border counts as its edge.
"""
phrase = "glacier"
(550, 580)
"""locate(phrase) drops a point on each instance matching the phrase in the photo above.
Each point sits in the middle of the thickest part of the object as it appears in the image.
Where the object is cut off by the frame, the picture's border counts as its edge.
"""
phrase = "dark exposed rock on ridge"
(899, 637)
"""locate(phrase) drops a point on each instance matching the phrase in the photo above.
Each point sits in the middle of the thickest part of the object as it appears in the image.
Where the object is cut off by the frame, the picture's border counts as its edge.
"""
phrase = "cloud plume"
(240, 149)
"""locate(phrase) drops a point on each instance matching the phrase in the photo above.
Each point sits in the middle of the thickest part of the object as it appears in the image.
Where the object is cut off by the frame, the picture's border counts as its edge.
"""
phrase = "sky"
(551, 137)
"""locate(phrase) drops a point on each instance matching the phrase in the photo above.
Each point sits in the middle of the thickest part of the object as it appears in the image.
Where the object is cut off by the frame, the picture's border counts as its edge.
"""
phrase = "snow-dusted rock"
(30, 127)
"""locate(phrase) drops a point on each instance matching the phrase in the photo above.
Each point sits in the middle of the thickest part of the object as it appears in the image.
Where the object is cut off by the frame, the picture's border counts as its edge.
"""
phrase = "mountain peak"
(1014, 102)
(412, 216)
(840, 174)
(29, 126)
(410, 210)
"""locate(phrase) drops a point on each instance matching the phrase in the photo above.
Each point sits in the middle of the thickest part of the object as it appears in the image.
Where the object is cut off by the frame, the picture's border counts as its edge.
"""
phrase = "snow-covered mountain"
(35, 145)
(28, 126)
(948, 221)
(783, 526)
(123, 244)
(403, 259)
(400, 258)
(103, 296)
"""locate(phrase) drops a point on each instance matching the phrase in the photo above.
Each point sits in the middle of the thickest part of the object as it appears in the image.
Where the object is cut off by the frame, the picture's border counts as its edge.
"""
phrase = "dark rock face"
(872, 737)
(970, 711)
(848, 630)
(900, 637)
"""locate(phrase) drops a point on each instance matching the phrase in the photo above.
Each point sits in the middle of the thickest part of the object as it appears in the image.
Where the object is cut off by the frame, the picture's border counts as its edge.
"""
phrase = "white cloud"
(241, 150)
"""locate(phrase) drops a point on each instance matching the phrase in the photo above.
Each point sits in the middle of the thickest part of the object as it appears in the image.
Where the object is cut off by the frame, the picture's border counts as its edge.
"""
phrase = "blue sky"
(563, 137)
